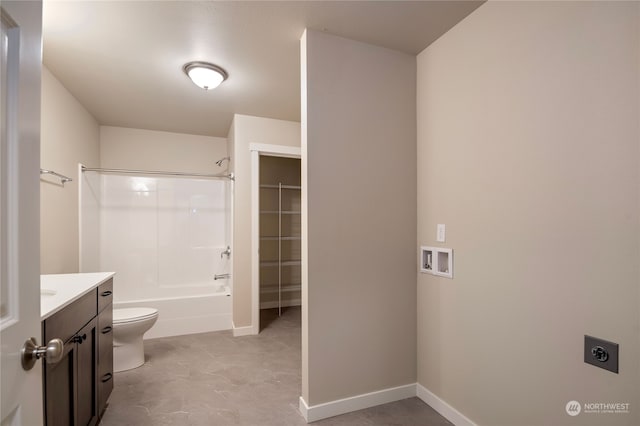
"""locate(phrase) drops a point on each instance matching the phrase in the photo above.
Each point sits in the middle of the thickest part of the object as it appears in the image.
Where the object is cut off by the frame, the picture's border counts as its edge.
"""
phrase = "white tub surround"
(59, 290)
(168, 238)
(164, 235)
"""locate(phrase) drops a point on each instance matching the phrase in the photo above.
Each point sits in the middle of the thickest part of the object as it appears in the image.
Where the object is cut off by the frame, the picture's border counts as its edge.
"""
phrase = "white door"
(21, 391)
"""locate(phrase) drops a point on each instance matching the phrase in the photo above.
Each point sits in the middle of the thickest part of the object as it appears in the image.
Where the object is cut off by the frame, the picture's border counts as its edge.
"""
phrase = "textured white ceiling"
(123, 59)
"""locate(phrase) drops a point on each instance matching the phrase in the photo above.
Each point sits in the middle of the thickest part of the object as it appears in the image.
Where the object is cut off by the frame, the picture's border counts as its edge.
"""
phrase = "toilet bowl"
(129, 325)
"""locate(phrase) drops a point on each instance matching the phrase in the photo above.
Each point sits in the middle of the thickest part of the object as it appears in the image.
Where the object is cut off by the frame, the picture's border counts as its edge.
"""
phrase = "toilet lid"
(121, 315)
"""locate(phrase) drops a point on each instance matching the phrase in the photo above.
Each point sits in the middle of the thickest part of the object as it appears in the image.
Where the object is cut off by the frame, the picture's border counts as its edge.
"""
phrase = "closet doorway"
(276, 233)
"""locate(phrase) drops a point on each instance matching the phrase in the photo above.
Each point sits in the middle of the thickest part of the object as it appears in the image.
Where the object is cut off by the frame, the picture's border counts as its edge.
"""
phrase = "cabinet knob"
(80, 339)
(107, 329)
(106, 377)
(107, 293)
(31, 352)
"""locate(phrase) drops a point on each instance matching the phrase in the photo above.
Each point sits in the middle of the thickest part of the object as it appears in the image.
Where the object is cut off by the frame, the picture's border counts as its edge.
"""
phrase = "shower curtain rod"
(156, 172)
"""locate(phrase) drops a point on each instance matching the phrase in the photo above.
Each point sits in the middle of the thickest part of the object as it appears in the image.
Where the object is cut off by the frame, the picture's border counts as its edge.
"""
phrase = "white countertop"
(59, 290)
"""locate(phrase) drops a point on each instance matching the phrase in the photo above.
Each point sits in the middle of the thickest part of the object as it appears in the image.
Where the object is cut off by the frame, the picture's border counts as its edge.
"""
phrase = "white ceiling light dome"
(205, 75)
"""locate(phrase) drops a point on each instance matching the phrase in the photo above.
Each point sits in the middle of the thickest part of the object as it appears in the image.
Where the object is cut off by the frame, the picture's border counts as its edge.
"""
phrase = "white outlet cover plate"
(440, 235)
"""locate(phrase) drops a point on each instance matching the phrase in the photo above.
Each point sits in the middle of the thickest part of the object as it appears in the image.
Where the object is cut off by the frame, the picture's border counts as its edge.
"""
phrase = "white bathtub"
(187, 314)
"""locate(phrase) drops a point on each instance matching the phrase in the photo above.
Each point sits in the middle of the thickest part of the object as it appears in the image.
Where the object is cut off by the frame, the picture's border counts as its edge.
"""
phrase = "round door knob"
(31, 352)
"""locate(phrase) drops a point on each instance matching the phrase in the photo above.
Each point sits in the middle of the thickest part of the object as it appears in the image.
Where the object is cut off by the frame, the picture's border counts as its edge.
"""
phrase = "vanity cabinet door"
(71, 384)
(87, 374)
(60, 392)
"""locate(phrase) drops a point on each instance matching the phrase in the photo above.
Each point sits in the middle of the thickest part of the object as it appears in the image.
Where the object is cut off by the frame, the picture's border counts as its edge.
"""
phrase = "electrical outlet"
(601, 353)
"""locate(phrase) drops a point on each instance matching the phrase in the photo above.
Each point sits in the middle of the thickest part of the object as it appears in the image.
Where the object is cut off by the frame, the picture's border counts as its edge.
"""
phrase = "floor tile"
(216, 379)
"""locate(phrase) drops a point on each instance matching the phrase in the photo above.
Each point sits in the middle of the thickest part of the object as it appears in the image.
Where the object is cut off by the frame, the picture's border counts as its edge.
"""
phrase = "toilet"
(129, 325)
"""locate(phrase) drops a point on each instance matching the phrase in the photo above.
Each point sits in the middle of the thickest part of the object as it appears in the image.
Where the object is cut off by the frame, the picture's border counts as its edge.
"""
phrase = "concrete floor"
(216, 379)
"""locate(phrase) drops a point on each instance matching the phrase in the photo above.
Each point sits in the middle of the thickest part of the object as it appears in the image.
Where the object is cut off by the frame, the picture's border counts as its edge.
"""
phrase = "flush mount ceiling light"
(205, 75)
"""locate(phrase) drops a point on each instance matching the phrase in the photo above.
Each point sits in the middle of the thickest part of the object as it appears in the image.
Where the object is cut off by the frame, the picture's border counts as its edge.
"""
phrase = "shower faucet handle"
(227, 252)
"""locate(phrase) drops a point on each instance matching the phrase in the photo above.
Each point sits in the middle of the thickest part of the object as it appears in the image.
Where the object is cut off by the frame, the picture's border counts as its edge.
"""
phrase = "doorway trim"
(258, 149)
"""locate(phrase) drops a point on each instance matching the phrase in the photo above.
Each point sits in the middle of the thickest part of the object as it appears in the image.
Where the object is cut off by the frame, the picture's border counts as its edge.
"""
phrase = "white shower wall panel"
(191, 228)
(129, 237)
(89, 214)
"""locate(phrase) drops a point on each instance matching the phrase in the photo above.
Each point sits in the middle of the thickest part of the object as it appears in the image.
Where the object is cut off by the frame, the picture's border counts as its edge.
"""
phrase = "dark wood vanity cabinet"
(76, 389)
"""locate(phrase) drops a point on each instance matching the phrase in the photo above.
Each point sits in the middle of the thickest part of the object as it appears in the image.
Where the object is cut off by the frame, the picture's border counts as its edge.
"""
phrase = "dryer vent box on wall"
(436, 261)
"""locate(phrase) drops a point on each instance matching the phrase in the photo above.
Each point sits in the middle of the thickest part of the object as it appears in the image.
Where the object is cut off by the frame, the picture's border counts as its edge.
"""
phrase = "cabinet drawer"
(105, 386)
(105, 341)
(65, 323)
(105, 357)
(105, 294)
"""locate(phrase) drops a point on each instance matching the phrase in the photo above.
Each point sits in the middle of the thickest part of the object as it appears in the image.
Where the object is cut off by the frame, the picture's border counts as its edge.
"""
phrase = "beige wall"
(528, 152)
(359, 186)
(125, 148)
(246, 130)
(70, 135)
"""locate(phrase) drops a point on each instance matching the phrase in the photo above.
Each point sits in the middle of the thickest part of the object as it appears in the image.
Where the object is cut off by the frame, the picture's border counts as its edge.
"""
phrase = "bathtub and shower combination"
(168, 240)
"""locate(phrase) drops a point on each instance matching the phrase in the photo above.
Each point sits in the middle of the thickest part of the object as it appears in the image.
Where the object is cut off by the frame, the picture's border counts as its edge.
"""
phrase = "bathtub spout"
(221, 276)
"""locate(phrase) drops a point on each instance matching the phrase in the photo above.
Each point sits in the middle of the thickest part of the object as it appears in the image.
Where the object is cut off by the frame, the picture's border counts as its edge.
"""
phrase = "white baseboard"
(360, 402)
(243, 331)
(304, 409)
(445, 410)
(354, 403)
